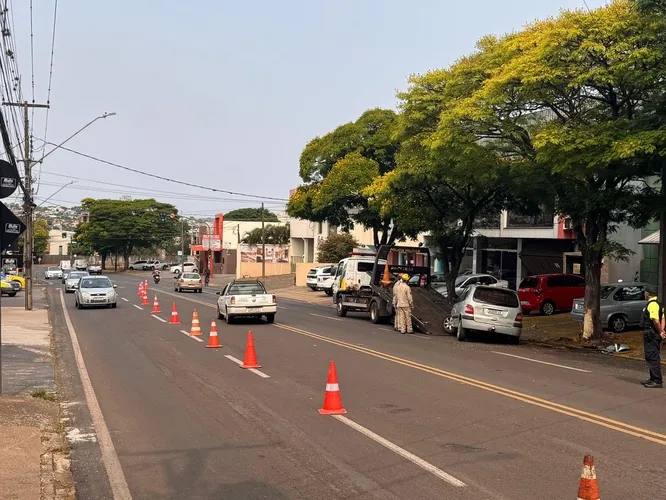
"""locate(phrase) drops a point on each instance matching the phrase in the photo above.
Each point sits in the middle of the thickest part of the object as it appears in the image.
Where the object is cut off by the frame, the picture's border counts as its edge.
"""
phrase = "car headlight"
(110, 293)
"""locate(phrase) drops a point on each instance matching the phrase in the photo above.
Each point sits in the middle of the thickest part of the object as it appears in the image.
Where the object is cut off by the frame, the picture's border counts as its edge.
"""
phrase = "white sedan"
(190, 267)
(53, 272)
(246, 298)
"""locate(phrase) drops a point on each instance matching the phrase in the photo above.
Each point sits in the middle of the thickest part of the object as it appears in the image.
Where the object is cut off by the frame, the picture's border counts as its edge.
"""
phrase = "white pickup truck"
(246, 298)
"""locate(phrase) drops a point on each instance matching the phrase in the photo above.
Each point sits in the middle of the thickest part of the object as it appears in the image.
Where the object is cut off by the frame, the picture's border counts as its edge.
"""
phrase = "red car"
(549, 292)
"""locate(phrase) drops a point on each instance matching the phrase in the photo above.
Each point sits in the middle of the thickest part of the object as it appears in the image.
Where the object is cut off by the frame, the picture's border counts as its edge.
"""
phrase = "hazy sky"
(227, 93)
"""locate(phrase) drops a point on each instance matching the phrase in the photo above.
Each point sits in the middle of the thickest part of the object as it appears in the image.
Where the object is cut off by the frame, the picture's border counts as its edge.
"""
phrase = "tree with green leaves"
(120, 226)
(336, 247)
(41, 237)
(274, 235)
(567, 101)
(250, 214)
(338, 167)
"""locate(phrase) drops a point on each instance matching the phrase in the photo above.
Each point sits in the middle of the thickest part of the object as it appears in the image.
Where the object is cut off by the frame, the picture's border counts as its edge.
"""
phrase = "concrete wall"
(253, 269)
(625, 271)
(303, 269)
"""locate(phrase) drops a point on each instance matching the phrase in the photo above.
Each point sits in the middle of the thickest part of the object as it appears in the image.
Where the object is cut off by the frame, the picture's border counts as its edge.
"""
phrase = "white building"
(59, 242)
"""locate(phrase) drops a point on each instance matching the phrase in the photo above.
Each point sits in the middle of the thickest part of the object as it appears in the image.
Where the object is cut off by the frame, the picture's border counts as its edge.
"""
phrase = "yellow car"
(19, 279)
(6, 288)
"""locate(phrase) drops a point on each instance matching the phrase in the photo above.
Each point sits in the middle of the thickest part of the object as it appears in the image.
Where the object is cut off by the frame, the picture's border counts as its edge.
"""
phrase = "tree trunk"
(592, 317)
(104, 255)
(115, 262)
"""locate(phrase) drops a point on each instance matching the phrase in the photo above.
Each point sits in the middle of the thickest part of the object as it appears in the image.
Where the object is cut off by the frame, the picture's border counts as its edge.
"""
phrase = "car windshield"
(496, 296)
(460, 279)
(606, 291)
(96, 283)
(246, 289)
(76, 275)
(191, 276)
(529, 283)
(53, 269)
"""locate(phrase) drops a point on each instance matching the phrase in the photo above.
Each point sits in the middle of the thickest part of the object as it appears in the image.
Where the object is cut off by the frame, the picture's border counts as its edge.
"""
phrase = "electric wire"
(167, 179)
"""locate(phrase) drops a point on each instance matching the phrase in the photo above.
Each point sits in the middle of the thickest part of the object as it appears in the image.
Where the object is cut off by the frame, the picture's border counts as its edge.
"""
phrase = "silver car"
(621, 304)
(53, 272)
(95, 291)
(466, 280)
(72, 280)
(488, 309)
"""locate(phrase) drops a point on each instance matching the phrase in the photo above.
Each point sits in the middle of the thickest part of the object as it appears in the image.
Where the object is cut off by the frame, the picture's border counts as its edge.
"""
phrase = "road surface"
(428, 417)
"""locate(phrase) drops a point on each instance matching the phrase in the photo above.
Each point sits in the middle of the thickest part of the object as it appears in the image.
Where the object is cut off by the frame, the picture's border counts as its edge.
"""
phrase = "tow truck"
(364, 283)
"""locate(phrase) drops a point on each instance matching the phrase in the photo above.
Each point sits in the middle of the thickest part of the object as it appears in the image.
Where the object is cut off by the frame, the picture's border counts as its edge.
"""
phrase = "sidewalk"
(34, 457)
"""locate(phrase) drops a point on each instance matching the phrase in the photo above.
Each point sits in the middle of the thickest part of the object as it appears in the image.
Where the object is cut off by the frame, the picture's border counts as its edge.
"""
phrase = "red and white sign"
(211, 242)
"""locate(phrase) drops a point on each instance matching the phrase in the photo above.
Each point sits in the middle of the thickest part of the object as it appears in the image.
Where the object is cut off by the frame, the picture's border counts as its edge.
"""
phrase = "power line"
(587, 6)
(167, 179)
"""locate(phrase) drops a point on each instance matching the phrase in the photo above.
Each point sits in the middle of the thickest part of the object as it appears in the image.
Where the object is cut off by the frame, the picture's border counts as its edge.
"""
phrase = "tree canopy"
(274, 235)
(338, 167)
(250, 214)
(120, 226)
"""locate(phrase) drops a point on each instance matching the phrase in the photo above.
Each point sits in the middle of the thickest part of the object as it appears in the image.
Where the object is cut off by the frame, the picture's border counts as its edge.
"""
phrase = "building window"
(543, 220)
(59, 249)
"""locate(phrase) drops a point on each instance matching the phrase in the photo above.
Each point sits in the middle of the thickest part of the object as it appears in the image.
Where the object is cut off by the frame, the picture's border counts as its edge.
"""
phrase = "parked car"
(188, 267)
(15, 284)
(72, 280)
(463, 282)
(325, 281)
(621, 304)
(189, 281)
(6, 288)
(14, 278)
(137, 266)
(490, 309)
(53, 272)
(314, 274)
(95, 268)
(548, 293)
(95, 291)
(246, 298)
(148, 266)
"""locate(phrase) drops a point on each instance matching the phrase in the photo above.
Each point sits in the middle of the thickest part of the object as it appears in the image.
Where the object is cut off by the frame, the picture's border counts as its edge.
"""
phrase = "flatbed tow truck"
(364, 283)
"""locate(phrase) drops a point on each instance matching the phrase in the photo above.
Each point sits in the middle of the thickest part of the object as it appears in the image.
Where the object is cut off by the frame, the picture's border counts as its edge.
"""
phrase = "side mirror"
(76, 286)
(218, 293)
(115, 286)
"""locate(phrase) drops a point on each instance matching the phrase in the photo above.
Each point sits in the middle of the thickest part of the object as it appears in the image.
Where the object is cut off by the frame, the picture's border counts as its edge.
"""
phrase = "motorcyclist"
(207, 276)
(156, 271)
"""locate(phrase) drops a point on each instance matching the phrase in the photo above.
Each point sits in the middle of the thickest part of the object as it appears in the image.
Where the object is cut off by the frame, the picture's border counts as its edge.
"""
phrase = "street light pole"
(105, 115)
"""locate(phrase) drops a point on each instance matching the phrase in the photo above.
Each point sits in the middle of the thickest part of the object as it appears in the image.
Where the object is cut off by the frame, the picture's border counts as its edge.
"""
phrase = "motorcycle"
(156, 278)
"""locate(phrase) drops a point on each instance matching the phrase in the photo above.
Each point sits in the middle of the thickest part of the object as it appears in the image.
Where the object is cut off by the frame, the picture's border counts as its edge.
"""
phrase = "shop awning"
(652, 239)
(197, 248)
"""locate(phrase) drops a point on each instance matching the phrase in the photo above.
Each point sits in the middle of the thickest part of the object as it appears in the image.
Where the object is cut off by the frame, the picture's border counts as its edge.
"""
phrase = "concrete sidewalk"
(34, 457)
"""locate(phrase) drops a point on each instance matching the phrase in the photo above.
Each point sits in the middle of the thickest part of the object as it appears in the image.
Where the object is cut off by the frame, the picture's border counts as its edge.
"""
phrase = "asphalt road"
(429, 417)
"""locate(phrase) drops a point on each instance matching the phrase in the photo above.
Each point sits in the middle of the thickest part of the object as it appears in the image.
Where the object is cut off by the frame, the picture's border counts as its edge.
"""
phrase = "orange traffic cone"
(145, 302)
(140, 291)
(213, 340)
(588, 488)
(174, 316)
(195, 331)
(332, 401)
(250, 354)
(156, 306)
(386, 280)
(145, 285)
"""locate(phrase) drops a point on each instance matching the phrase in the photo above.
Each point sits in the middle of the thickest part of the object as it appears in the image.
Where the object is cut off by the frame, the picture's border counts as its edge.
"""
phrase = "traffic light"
(64, 236)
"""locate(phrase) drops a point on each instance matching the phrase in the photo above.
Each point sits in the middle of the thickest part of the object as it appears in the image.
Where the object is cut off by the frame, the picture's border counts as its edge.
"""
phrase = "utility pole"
(263, 245)
(28, 203)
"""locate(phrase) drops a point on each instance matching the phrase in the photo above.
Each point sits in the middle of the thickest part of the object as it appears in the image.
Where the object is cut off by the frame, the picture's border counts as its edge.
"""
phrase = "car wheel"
(618, 324)
(313, 288)
(12, 294)
(227, 318)
(461, 335)
(547, 308)
(114, 305)
(374, 312)
(328, 292)
(447, 325)
(340, 309)
(270, 318)
(512, 339)
(76, 304)
(219, 314)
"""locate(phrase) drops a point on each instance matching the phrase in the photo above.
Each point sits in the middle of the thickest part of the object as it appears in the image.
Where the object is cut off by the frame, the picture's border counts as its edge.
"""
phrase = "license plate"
(495, 312)
(524, 303)
(98, 299)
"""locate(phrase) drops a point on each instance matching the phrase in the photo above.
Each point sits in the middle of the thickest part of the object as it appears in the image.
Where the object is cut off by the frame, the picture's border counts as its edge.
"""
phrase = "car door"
(222, 301)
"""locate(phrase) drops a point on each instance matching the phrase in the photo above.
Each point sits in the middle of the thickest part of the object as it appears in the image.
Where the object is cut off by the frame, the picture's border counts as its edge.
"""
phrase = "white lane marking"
(126, 300)
(327, 317)
(191, 336)
(138, 307)
(422, 337)
(158, 318)
(117, 481)
(281, 307)
(402, 452)
(542, 362)
(253, 370)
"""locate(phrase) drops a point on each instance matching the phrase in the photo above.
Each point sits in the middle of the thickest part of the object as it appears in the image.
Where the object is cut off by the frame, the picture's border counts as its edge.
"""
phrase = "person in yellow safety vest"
(653, 334)
(403, 304)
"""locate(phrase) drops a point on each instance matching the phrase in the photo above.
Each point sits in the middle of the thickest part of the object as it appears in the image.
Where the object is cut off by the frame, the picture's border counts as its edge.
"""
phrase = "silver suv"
(488, 309)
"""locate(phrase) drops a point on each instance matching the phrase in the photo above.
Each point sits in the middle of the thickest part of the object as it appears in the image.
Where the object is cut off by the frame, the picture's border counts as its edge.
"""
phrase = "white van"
(64, 264)
(354, 274)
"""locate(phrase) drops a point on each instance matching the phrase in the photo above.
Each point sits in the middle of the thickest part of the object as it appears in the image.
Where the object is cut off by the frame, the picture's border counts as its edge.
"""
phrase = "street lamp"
(104, 115)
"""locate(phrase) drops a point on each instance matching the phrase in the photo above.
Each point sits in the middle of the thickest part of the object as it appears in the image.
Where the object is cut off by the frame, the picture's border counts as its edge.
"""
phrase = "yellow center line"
(616, 425)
